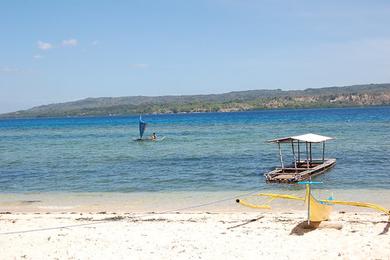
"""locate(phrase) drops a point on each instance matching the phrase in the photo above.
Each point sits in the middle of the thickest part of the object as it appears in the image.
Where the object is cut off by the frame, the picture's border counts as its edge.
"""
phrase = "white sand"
(69, 226)
(274, 235)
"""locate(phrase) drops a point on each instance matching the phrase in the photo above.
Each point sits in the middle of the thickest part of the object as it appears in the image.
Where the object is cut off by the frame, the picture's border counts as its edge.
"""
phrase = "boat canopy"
(310, 138)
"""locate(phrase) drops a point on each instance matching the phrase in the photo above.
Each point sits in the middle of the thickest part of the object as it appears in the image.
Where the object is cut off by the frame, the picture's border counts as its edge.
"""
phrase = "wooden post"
(311, 156)
(307, 155)
(323, 152)
(281, 157)
(299, 153)
(293, 150)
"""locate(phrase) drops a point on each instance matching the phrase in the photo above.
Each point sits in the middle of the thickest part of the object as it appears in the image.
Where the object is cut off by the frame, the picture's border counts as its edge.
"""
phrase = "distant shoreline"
(189, 113)
(250, 100)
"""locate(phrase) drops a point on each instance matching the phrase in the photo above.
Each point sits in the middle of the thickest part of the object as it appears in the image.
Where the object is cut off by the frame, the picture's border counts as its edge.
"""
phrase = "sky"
(58, 51)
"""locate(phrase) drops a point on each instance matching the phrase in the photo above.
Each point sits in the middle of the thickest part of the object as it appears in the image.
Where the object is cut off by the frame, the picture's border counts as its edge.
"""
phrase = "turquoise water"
(201, 152)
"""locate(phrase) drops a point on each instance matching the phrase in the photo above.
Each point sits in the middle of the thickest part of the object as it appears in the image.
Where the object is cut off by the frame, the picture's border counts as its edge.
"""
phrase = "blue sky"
(55, 51)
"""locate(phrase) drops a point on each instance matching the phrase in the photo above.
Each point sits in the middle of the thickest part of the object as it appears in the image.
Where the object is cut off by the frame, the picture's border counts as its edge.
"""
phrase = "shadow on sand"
(303, 228)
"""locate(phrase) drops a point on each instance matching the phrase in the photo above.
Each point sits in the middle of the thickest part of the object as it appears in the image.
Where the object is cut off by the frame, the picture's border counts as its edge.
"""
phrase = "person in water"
(154, 137)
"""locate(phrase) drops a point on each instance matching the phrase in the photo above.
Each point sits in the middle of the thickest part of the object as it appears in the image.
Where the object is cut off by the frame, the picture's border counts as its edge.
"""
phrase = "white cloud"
(11, 70)
(44, 45)
(70, 42)
(139, 66)
(8, 70)
(96, 42)
(37, 56)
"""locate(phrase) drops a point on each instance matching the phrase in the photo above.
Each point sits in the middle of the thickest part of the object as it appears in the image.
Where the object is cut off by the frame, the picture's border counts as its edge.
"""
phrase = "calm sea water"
(201, 152)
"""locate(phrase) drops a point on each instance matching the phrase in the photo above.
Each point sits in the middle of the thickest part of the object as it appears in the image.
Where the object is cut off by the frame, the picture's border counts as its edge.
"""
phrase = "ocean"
(201, 152)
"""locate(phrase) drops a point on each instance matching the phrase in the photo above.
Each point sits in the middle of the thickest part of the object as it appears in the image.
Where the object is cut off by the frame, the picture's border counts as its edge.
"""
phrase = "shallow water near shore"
(211, 152)
(171, 202)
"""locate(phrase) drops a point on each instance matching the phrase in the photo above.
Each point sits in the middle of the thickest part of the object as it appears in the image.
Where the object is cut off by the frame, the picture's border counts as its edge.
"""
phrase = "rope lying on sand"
(103, 221)
(207, 203)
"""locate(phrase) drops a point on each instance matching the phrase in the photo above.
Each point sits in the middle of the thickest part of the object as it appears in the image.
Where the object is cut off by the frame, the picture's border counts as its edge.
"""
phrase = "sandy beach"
(215, 130)
(30, 230)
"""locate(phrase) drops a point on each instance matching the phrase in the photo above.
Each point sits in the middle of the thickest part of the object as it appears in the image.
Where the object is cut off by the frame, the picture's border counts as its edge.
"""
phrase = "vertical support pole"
(323, 152)
(299, 153)
(308, 192)
(307, 155)
(311, 155)
(293, 151)
(280, 156)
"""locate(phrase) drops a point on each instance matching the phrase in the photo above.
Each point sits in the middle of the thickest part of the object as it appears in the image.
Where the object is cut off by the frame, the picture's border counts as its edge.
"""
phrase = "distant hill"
(357, 95)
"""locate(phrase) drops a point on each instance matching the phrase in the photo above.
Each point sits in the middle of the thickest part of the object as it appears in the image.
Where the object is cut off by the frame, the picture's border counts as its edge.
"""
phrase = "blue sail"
(142, 126)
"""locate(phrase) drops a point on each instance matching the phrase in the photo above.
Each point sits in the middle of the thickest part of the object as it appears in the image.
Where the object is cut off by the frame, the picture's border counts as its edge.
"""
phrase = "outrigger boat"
(317, 209)
(301, 169)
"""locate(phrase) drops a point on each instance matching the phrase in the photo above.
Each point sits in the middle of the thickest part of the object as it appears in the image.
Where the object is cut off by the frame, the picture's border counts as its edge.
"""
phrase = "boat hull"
(300, 173)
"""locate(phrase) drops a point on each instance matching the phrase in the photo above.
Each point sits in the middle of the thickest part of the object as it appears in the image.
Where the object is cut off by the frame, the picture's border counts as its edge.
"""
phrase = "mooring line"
(97, 222)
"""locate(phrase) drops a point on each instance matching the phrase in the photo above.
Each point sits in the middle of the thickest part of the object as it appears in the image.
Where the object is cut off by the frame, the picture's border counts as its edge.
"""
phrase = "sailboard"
(142, 128)
(159, 139)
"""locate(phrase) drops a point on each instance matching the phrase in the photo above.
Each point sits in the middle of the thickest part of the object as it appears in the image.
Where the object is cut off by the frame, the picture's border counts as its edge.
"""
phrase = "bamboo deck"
(302, 172)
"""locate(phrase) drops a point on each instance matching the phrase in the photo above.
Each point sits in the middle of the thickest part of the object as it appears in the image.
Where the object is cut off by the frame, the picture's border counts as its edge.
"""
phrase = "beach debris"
(245, 223)
(84, 219)
(386, 228)
(116, 218)
(29, 201)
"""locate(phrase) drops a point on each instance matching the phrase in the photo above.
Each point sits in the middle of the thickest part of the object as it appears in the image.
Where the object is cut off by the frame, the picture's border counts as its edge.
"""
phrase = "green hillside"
(357, 95)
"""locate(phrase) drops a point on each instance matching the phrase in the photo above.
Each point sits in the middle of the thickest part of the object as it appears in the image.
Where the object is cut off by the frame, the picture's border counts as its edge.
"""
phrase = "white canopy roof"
(310, 138)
